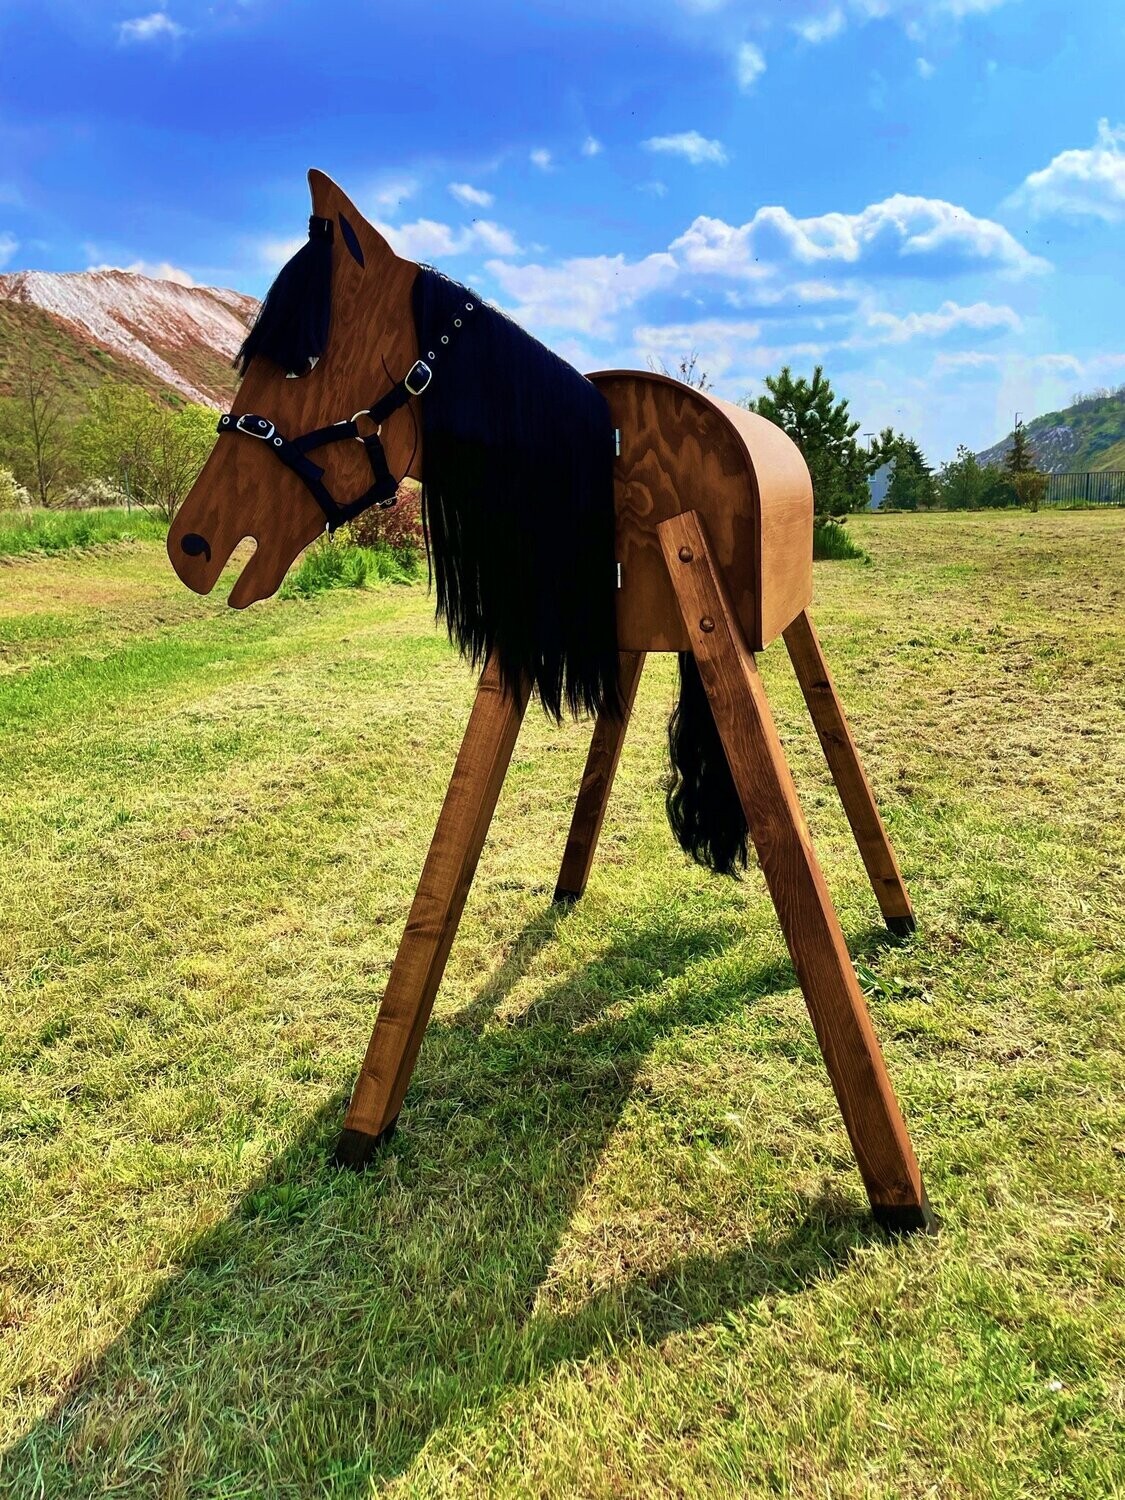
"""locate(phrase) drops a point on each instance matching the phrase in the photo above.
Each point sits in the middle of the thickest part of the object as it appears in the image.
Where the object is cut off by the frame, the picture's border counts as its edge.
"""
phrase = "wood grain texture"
(812, 931)
(840, 751)
(597, 783)
(242, 490)
(683, 449)
(439, 901)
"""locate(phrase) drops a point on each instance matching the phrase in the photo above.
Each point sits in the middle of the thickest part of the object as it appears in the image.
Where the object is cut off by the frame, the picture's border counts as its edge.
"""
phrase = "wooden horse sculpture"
(574, 525)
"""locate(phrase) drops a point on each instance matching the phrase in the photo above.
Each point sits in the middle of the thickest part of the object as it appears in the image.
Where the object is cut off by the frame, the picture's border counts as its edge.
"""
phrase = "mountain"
(1090, 434)
(161, 335)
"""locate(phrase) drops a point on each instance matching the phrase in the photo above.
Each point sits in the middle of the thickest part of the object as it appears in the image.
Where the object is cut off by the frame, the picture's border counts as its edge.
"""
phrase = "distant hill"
(160, 335)
(1090, 434)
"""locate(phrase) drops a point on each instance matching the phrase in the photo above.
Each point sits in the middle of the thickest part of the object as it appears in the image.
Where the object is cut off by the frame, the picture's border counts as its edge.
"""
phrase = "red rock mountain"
(159, 334)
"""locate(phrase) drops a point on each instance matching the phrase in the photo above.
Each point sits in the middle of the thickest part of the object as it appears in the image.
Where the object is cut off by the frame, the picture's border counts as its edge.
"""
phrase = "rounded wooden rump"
(683, 449)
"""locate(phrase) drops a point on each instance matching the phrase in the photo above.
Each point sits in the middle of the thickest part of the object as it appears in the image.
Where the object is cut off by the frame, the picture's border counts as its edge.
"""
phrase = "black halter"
(293, 452)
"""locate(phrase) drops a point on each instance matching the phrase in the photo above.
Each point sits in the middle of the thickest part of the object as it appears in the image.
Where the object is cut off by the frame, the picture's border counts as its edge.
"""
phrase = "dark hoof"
(907, 1218)
(355, 1148)
(901, 926)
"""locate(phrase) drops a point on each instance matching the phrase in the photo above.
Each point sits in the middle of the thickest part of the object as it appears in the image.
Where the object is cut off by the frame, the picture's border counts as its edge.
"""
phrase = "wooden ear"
(329, 201)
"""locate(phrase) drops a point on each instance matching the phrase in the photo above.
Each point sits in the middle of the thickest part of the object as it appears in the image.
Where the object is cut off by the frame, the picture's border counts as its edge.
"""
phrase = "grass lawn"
(619, 1245)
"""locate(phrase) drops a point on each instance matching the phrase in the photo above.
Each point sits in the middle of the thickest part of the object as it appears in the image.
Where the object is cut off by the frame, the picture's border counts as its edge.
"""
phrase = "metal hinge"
(617, 441)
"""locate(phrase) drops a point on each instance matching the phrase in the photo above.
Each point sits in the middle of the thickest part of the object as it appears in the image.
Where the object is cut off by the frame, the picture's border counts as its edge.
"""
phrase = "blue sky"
(926, 196)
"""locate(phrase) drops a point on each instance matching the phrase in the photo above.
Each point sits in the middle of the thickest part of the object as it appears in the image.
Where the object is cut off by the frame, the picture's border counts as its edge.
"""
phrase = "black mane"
(518, 503)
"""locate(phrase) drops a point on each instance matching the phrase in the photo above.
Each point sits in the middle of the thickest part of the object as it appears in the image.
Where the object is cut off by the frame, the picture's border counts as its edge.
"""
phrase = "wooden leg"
(812, 930)
(430, 929)
(597, 783)
(840, 751)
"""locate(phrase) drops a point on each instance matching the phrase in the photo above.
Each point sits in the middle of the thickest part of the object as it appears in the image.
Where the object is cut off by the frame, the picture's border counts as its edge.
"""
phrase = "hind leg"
(840, 751)
(597, 783)
(812, 930)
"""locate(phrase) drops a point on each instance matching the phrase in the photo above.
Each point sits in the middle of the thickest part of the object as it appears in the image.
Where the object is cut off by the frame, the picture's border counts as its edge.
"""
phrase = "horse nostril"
(196, 546)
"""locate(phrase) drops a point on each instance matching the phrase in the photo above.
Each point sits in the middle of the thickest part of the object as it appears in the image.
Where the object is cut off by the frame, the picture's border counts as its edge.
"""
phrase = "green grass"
(54, 531)
(335, 563)
(618, 1246)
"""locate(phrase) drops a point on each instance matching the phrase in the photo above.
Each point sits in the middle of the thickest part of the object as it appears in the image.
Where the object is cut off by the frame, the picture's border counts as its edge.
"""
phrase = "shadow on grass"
(315, 1340)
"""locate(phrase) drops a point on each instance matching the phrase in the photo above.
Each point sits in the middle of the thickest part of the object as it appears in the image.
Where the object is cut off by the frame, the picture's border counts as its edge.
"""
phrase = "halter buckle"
(262, 427)
(420, 373)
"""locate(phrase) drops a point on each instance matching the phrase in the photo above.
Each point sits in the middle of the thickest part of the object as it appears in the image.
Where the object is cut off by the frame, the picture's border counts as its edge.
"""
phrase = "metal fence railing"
(1098, 487)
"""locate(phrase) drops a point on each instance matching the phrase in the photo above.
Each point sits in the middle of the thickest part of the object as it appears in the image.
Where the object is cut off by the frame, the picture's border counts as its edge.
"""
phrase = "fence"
(1098, 487)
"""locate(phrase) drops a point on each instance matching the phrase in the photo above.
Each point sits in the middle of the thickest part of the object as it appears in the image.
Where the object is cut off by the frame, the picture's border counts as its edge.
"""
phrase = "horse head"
(340, 312)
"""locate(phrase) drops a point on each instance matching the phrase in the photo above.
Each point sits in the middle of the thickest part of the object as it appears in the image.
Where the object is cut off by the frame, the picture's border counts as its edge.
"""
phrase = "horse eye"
(351, 239)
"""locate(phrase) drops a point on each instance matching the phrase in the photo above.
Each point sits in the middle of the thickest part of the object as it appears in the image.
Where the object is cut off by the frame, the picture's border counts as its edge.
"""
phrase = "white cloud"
(428, 240)
(692, 146)
(162, 270)
(8, 247)
(900, 233)
(156, 27)
(591, 146)
(980, 316)
(749, 65)
(821, 28)
(541, 159)
(274, 253)
(581, 294)
(925, 68)
(1088, 183)
(475, 197)
(394, 192)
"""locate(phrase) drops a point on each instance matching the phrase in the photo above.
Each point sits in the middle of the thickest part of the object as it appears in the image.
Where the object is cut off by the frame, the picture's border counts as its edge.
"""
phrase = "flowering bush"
(398, 529)
(13, 496)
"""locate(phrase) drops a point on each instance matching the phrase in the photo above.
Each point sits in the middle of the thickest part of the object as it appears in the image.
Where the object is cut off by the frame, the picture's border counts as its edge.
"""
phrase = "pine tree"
(1020, 457)
(820, 425)
(912, 484)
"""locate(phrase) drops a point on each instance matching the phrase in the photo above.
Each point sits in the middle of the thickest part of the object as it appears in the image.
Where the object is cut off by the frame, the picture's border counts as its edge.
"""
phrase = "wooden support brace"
(840, 751)
(597, 783)
(478, 775)
(796, 883)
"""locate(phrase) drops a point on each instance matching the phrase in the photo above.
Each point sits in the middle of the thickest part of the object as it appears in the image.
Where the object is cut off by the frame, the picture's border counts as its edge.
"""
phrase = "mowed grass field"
(619, 1246)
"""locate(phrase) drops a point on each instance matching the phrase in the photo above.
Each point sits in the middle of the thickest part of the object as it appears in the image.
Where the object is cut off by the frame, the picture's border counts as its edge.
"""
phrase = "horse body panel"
(684, 449)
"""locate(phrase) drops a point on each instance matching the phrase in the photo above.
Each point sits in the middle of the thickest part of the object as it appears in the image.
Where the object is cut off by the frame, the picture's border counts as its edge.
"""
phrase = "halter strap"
(293, 452)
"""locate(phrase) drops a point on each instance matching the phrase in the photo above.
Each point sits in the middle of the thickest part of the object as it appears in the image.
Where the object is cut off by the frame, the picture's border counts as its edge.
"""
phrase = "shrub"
(95, 494)
(53, 531)
(397, 529)
(13, 496)
(831, 543)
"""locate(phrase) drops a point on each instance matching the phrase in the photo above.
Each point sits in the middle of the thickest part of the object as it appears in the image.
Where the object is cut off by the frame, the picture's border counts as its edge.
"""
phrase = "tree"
(965, 484)
(1028, 483)
(151, 450)
(687, 369)
(35, 436)
(912, 481)
(820, 425)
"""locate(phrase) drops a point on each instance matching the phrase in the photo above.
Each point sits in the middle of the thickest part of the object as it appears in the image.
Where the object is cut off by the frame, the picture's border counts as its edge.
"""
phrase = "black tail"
(703, 806)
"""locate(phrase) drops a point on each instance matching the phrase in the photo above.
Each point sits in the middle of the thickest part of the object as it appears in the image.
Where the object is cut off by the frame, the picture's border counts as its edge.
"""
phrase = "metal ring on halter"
(355, 419)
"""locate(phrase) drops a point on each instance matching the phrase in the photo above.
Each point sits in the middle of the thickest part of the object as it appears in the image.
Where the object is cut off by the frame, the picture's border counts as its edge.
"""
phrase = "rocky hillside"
(158, 334)
(1088, 435)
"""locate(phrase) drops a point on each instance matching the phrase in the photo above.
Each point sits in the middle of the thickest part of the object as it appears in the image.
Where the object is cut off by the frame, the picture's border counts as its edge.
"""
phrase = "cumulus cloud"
(915, 16)
(902, 233)
(429, 240)
(8, 247)
(749, 65)
(581, 294)
(591, 146)
(692, 146)
(889, 328)
(475, 197)
(1081, 183)
(393, 192)
(161, 270)
(925, 68)
(156, 27)
(541, 159)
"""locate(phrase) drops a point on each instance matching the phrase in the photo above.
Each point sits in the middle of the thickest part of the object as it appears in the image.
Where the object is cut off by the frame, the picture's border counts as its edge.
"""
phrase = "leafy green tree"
(150, 450)
(965, 484)
(35, 438)
(912, 481)
(1028, 483)
(821, 426)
